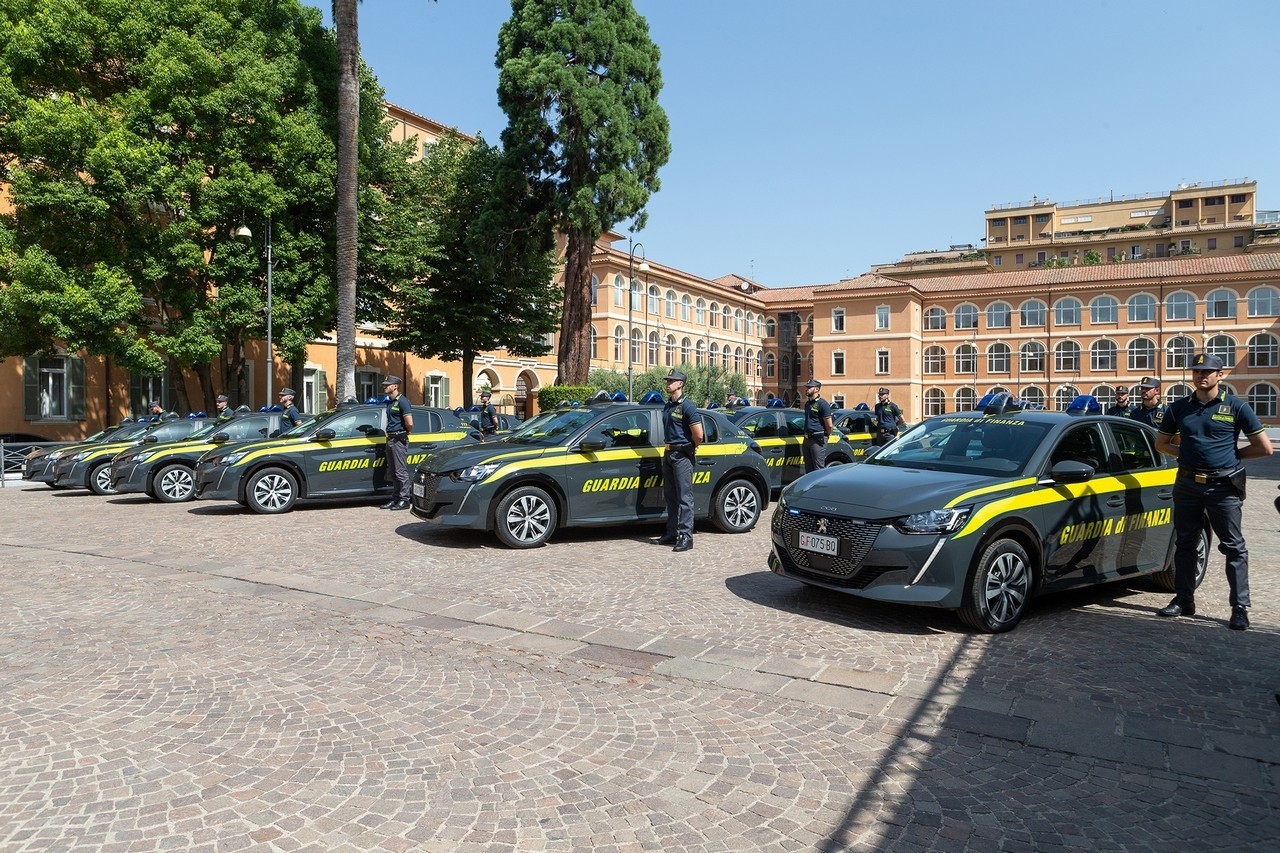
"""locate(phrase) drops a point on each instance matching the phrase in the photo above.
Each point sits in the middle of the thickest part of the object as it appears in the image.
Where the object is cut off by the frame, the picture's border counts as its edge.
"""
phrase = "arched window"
(1223, 346)
(770, 328)
(1104, 310)
(1178, 352)
(637, 295)
(637, 346)
(1102, 355)
(1264, 350)
(998, 360)
(1177, 392)
(618, 336)
(935, 319)
(737, 360)
(966, 399)
(1063, 396)
(619, 288)
(1066, 356)
(715, 314)
(1104, 394)
(1142, 355)
(769, 365)
(999, 315)
(1180, 306)
(1034, 395)
(670, 351)
(653, 349)
(1220, 304)
(686, 308)
(686, 350)
(1031, 357)
(966, 316)
(935, 360)
(655, 299)
(1031, 314)
(1264, 301)
(700, 311)
(671, 304)
(594, 351)
(1262, 397)
(1066, 311)
(966, 359)
(725, 357)
(1142, 308)
(714, 353)
(725, 314)
(935, 402)
(595, 287)
(700, 354)
(751, 324)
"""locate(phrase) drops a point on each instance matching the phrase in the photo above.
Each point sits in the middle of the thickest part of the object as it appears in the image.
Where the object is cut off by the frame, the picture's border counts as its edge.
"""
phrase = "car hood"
(466, 455)
(881, 491)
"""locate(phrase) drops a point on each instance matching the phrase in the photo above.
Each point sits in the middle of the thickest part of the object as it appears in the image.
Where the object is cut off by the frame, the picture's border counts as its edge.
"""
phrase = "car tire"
(999, 588)
(174, 484)
(526, 518)
(735, 507)
(271, 491)
(838, 460)
(1165, 577)
(99, 479)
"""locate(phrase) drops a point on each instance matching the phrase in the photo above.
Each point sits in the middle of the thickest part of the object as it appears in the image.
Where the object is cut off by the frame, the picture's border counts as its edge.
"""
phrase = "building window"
(654, 343)
(966, 359)
(1104, 310)
(882, 361)
(1239, 198)
(1262, 399)
(595, 287)
(1063, 396)
(686, 351)
(700, 313)
(1041, 218)
(724, 316)
(935, 360)
(1040, 257)
(1220, 305)
(1066, 357)
(1032, 314)
(998, 223)
(53, 388)
(619, 335)
(770, 365)
(998, 358)
(837, 319)
(966, 399)
(655, 300)
(1142, 308)
(882, 317)
(1264, 302)
(1239, 242)
(998, 315)
(966, 316)
(1102, 355)
(368, 384)
(1211, 243)
(1180, 306)
(770, 328)
(1223, 346)
(1017, 259)
(837, 363)
(837, 401)
(145, 387)
(1031, 357)
(1142, 355)
(619, 288)
(686, 308)
(1135, 253)
(1019, 220)
(1264, 351)
(1178, 352)
(1033, 395)
(1214, 201)
(1184, 203)
(671, 304)
(935, 402)
(935, 319)
(1066, 312)
(637, 346)
(996, 261)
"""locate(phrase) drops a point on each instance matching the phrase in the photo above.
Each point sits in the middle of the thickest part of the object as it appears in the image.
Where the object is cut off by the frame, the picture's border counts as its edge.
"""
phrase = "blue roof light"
(618, 397)
(862, 407)
(1085, 404)
(776, 403)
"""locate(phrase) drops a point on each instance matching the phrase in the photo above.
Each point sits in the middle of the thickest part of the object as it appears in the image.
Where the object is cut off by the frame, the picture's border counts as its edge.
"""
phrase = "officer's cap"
(1148, 382)
(486, 393)
(155, 404)
(813, 383)
(223, 398)
(883, 391)
(391, 380)
(1207, 361)
(1122, 389)
(286, 392)
(676, 376)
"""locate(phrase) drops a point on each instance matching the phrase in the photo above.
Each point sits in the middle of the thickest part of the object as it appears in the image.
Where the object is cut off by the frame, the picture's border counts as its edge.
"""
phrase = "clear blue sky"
(813, 138)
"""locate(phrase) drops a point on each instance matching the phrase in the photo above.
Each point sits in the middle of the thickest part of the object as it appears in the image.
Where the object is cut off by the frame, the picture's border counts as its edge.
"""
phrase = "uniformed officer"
(1121, 407)
(888, 418)
(1149, 409)
(683, 430)
(155, 411)
(817, 426)
(1210, 482)
(291, 414)
(399, 425)
(488, 414)
(225, 413)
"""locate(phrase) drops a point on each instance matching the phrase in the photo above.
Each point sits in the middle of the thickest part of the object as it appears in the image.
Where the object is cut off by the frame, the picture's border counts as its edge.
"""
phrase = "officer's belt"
(1203, 477)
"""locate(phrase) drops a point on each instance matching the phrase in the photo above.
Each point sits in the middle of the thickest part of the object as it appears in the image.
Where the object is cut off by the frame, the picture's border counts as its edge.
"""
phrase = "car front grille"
(430, 484)
(856, 541)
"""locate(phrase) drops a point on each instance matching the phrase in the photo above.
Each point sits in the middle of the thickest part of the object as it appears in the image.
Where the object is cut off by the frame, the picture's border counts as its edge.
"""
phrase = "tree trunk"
(575, 326)
(468, 368)
(345, 19)
(204, 373)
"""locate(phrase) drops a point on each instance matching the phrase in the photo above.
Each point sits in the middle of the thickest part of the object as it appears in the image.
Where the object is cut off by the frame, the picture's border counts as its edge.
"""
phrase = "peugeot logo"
(822, 525)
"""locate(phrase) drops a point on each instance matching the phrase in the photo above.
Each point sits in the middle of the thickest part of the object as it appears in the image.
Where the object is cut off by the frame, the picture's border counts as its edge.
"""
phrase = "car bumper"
(439, 500)
(128, 478)
(39, 471)
(70, 475)
(217, 483)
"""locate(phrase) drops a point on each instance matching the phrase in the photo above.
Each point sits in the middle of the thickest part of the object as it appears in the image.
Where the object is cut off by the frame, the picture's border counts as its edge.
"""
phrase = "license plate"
(419, 490)
(820, 544)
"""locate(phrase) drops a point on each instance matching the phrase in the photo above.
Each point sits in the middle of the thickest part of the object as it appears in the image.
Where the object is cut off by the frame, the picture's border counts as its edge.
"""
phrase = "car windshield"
(550, 427)
(208, 429)
(301, 429)
(992, 446)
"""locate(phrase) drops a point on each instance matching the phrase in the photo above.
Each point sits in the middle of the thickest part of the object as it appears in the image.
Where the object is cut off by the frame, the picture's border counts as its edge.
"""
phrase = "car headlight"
(55, 456)
(142, 457)
(935, 521)
(231, 458)
(475, 473)
(79, 457)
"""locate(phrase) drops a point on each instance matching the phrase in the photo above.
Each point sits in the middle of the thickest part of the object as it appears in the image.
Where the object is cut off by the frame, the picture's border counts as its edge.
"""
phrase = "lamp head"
(243, 233)
(644, 266)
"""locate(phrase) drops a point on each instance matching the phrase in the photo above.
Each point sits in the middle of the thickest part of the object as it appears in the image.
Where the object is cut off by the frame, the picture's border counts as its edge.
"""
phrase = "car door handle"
(1116, 500)
(1165, 495)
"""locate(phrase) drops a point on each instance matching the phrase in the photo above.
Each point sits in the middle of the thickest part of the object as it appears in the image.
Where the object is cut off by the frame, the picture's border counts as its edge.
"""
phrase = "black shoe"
(1239, 619)
(1176, 608)
(388, 505)
(399, 505)
(683, 543)
(664, 540)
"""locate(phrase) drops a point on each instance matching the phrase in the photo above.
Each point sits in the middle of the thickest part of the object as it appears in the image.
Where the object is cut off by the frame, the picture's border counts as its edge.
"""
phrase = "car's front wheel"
(99, 479)
(526, 518)
(736, 507)
(174, 484)
(1165, 578)
(270, 491)
(999, 588)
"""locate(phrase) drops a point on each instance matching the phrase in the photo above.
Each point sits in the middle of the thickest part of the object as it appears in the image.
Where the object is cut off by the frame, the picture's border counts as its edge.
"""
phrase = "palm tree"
(346, 20)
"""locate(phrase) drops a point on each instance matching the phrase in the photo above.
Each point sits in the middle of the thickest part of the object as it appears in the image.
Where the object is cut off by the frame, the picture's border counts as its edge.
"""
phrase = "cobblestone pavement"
(195, 677)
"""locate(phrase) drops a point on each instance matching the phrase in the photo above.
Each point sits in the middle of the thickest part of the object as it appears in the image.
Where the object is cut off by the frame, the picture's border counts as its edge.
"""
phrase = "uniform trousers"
(815, 452)
(1220, 502)
(398, 465)
(677, 490)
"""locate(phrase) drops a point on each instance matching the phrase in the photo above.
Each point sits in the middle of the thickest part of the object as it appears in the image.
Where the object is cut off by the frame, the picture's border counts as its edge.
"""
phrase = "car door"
(1078, 522)
(352, 459)
(793, 433)
(1148, 518)
(764, 427)
(619, 480)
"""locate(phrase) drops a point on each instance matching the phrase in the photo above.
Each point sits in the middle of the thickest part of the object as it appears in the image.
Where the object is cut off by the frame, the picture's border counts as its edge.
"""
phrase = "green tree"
(579, 82)
(490, 284)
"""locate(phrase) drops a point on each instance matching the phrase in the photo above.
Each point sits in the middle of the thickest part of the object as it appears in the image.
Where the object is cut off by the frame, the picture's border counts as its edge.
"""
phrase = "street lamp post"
(631, 304)
(746, 381)
(243, 232)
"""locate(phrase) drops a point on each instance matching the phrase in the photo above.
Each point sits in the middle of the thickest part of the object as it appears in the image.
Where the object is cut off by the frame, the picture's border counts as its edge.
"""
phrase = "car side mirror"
(590, 446)
(150, 439)
(218, 438)
(1068, 471)
(325, 434)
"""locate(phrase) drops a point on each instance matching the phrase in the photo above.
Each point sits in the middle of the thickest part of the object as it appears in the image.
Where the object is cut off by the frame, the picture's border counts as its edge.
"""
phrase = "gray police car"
(341, 454)
(41, 466)
(980, 511)
(780, 434)
(594, 465)
(89, 466)
(166, 472)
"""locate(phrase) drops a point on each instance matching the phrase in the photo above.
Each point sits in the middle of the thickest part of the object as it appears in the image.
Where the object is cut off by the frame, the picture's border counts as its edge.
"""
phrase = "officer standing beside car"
(817, 426)
(888, 417)
(1210, 482)
(1149, 409)
(488, 414)
(399, 425)
(1121, 407)
(290, 415)
(682, 427)
(225, 412)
